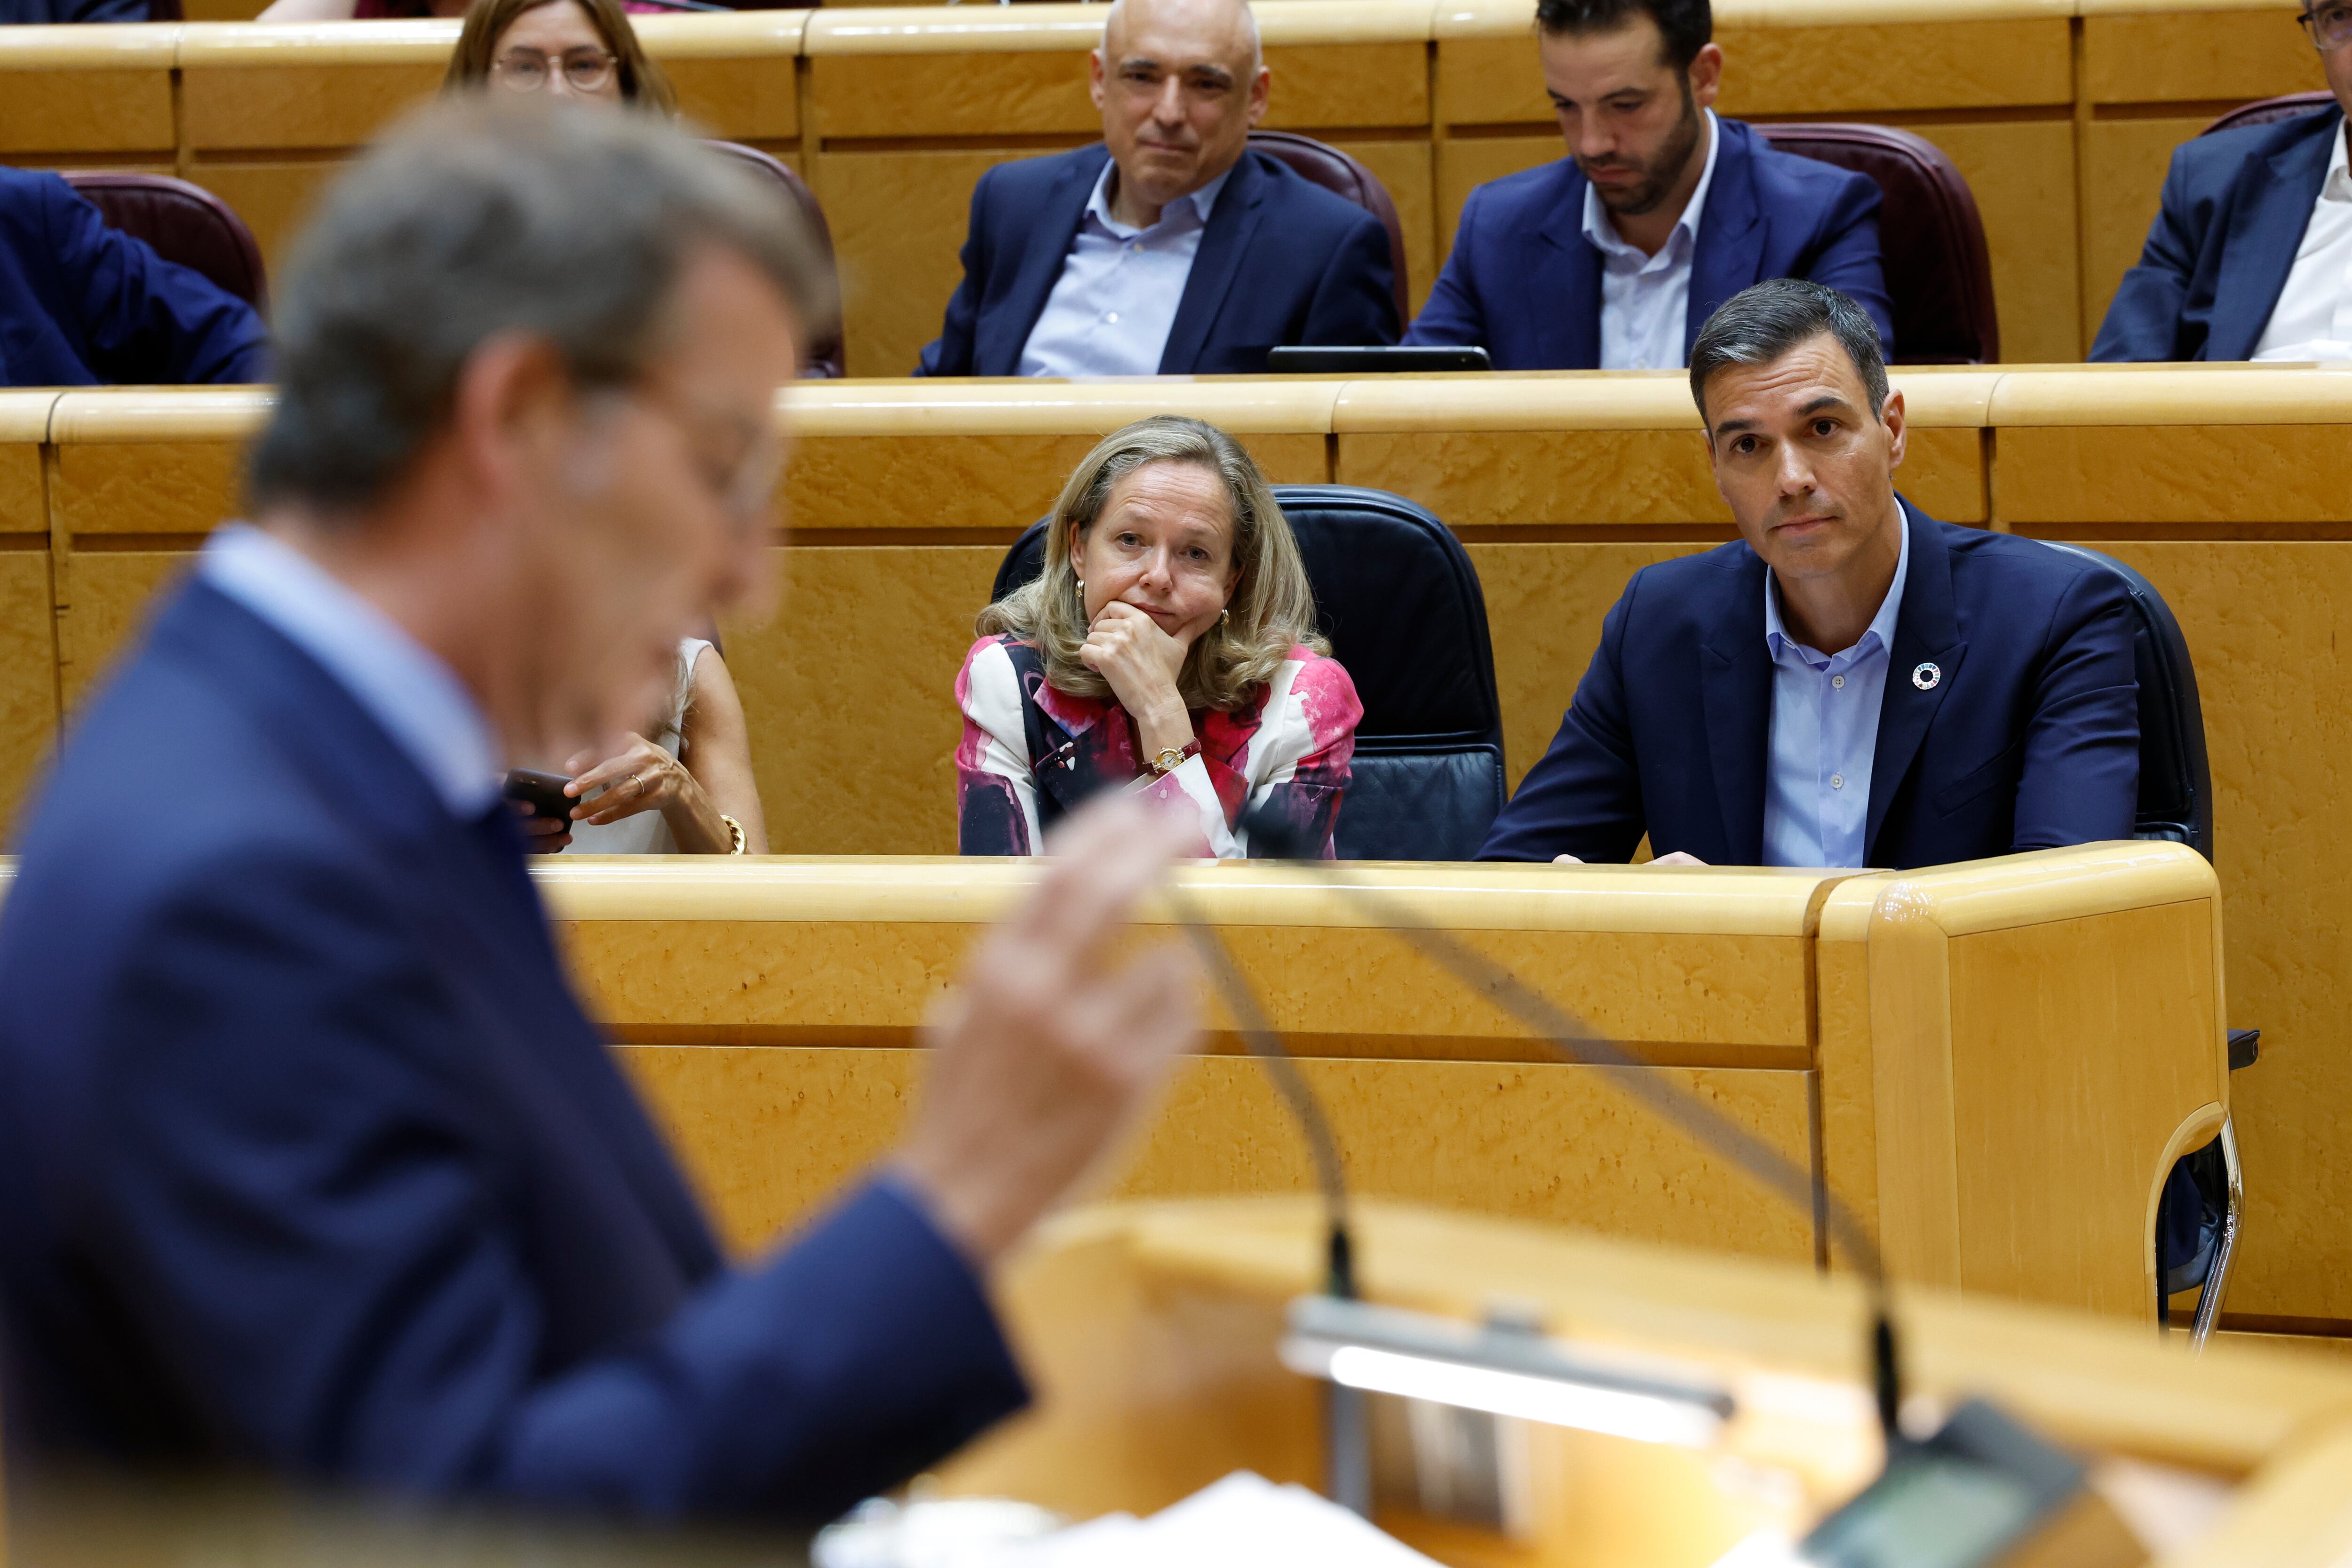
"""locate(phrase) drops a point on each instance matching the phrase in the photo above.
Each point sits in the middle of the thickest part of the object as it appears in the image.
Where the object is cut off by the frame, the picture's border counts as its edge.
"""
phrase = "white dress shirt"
(1646, 299)
(418, 700)
(1111, 309)
(2313, 318)
(1825, 732)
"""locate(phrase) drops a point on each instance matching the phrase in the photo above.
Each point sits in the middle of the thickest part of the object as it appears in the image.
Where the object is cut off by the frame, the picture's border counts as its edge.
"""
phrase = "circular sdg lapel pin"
(1926, 677)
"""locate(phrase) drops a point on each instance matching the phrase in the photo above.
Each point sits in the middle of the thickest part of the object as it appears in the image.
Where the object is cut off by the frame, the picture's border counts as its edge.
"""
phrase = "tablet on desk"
(1377, 360)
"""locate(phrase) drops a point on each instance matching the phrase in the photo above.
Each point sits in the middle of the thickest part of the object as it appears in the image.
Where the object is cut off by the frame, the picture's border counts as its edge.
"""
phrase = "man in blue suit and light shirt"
(1612, 258)
(1170, 248)
(1851, 683)
(2251, 256)
(309, 1160)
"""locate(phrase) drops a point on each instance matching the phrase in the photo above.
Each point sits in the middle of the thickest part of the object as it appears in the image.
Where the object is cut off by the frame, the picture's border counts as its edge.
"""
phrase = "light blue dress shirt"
(1111, 309)
(1646, 299)
(1825, 732)
(404, 686)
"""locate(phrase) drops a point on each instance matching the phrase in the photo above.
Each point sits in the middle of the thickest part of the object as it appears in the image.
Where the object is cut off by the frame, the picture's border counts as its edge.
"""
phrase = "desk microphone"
(1569, 1038)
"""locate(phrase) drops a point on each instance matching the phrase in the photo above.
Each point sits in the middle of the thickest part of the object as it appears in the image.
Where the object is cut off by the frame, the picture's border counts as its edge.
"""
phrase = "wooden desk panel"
(28, 654)
(2221, 476)
(2152, 55)
(2124, 164)
(67, 90)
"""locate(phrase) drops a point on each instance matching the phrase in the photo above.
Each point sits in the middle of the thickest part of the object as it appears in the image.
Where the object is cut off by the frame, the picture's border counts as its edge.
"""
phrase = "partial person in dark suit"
(309, 1159)
(1613, 258)
(2250, 256)
(1976, 697)
(1170, 248)
(35, 11)
(83, 304)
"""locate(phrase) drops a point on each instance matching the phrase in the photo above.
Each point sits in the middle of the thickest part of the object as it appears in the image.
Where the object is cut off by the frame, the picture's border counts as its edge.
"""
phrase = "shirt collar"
(1602, 233)
(1882, 625)
(1203, 202)
(402, 685)
(2337, 186)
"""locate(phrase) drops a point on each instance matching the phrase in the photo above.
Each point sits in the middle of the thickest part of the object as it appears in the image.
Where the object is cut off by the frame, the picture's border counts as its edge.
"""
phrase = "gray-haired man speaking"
(307, 1157)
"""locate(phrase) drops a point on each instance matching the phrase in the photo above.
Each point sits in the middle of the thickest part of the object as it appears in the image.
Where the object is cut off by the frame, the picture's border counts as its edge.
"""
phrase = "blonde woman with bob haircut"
(1168, 649)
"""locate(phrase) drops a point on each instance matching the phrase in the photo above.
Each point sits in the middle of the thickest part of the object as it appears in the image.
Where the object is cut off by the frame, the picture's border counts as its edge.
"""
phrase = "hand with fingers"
(540, 835)
(1053, 1043)
(1125, 648)
(645, 777)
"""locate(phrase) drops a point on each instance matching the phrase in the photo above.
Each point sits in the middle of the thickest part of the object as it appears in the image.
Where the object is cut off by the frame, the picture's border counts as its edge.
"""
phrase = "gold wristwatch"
(734, 835)
(1170, 758)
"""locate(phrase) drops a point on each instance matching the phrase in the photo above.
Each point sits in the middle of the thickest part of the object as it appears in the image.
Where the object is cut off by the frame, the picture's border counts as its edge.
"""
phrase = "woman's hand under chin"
(1126, 648)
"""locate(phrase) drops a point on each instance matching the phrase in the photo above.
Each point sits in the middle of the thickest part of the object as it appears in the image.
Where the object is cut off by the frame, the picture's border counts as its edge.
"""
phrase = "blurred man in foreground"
(309, 1159)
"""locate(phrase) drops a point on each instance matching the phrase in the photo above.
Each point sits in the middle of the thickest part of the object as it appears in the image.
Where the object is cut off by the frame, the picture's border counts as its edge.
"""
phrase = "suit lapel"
(1736, 690)
(1723, 262)
(2266, 228)
(1004, 332)
(1233, 224)
(1566, 287)
(1927, 632)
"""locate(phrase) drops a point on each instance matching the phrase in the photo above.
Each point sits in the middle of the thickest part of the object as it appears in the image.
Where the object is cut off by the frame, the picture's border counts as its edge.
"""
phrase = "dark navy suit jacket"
(73, 11)
(309, 1160)
(1282, 261)
(2028, 739)
(83, 304)
(2235, 204)
(1524, 282)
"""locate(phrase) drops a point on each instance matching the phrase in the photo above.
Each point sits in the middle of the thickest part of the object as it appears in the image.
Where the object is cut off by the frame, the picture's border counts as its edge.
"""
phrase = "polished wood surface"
(903, 498)
(2039, 1037)
(1151, 1332)
(2062, 114)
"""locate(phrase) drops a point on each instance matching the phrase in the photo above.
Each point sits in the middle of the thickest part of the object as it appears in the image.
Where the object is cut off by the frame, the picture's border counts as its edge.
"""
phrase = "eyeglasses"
(527, 70)
(743, 483)
(2330, 27)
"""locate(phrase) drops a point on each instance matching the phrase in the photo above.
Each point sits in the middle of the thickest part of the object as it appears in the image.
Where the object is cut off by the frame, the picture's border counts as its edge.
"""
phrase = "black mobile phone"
(544, 792)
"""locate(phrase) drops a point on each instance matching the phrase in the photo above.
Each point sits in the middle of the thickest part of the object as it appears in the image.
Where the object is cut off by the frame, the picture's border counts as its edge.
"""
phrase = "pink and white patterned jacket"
(1029, 754)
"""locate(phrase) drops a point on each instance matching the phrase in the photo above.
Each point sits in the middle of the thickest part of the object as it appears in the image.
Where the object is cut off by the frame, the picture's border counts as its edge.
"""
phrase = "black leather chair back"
(2176, 790)
(184, 223)
(824, 356)
(1931, 238)
(1396, 595)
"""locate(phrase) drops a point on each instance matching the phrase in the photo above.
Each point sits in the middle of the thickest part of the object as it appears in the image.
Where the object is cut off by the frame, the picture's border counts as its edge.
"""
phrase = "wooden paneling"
(28, 689)
(67, 113)
(1492, 80)
(1466, 164)
(2159, 57)
(2022, 172)
(2124, 164)
(273, 197)
(144, 486)
(2218, 474)
(978, 94)
(1320, 85)
(1864, 69)
(107, 598)
(1407, 168)
(748, 99)
(335, 105)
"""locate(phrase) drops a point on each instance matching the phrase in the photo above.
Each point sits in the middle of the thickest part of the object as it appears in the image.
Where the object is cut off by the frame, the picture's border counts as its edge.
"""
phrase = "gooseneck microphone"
(1568, 1037)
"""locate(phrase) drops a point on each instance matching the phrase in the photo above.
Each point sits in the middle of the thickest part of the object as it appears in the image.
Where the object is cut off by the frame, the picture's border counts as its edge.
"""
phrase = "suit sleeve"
(1453, 315)
(1848, 258)
(951, 354)
(1355, 299)
(1584, 796)
(2079, 781)
(2143, 321)
(145, 319)
(308, 1220)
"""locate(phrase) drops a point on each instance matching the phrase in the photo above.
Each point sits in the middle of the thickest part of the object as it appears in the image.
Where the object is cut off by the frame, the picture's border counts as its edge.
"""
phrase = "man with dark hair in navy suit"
(1169, 248)
(83, 304)
(1852, 683)
(1612, 258)
(309, 1160)
(2250, 256)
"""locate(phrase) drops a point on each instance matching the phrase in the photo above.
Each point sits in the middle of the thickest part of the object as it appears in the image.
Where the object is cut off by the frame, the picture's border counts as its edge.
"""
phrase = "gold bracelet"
(734, 835)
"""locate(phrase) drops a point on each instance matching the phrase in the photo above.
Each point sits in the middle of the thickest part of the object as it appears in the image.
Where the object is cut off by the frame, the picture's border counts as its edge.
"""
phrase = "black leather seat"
(184, 223)
(1931, 238)
(1396, 595)
(2195, 1238)
(824, 356)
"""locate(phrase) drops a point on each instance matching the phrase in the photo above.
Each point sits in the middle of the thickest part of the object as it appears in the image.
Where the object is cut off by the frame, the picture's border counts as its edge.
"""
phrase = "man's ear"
(1098, 82)
(1706, 75)
(1261, 93)
(1897, 431)
(513, 397)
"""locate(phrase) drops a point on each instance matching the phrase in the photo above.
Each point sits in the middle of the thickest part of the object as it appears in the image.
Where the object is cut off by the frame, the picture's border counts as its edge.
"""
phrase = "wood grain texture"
(273, 197)
(748, 99)
(766, 1131)
(28, 658)
(107, 600)
(2162, 55)
(2124, 164)
(24, 506)
(331, 104)
(976, 94)
(144, 486)
(87, 109)
(2022, 174)
(1831, 70)
(1325, 84)
(2270, 628)
(2221, 475)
